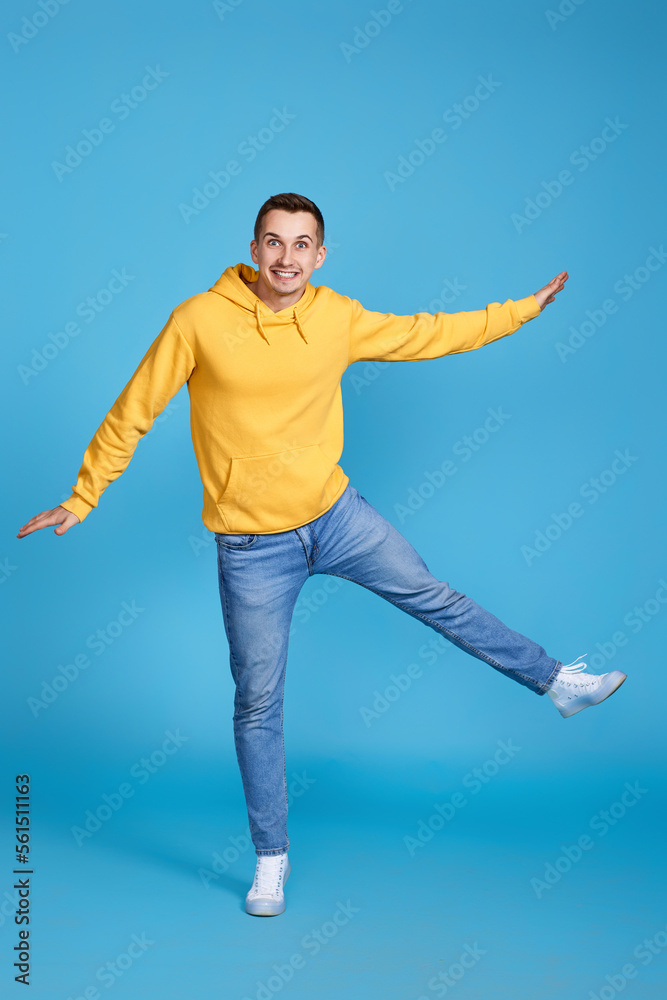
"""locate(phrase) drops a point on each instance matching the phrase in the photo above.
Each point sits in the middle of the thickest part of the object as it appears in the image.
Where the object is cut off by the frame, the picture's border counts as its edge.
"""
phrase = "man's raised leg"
(359, 544)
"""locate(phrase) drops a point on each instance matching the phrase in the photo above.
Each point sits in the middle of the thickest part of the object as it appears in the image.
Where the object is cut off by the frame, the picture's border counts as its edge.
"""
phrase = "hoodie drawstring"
(261, 329)
(298, 324)
(259, 322)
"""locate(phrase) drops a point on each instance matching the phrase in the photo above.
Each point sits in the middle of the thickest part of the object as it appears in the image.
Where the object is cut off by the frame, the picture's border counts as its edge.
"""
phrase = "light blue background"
(368, 785)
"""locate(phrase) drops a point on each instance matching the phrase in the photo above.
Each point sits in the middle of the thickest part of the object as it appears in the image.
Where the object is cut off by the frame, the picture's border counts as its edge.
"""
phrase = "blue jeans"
(260, 577)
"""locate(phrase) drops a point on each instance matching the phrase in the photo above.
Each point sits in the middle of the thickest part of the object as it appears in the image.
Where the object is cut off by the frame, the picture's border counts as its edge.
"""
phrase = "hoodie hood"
(231, 286)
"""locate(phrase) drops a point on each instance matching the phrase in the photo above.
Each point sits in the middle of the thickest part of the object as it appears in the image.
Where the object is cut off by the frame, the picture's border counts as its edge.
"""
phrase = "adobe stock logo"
(249, 148)
(379, 20)
(60, 338)
(474, 781)
(436, 478)
(122, 106)
(566, 8)
(625, 288)
(454, 117)
(581, 158)
(591, 490)
(31, 26)
(601, 823)
(222, 9)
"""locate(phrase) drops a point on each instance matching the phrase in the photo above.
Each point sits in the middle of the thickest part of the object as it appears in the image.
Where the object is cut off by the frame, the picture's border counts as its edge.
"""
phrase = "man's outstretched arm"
(376, 336)
(165, 367)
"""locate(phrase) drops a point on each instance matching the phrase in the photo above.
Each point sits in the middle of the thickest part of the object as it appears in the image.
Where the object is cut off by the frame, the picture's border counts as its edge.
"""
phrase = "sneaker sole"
(267, 907)
(613, 683)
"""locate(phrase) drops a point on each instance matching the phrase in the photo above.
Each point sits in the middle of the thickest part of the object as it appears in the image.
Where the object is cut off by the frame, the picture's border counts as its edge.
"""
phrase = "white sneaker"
(571, 690)
(265, 897)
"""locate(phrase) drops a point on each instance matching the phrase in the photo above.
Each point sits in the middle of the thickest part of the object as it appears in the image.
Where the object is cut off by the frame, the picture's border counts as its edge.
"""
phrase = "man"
(263, 352)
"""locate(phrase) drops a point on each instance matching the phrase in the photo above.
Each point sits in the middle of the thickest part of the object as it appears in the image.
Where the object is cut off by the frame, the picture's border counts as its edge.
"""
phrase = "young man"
(263, 352)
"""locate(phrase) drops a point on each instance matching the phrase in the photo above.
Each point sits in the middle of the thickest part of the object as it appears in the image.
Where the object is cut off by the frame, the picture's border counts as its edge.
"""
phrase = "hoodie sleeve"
(166, 366)
(376, 336)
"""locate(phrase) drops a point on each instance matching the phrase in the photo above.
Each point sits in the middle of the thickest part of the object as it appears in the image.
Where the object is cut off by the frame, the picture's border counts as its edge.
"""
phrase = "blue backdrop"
(461, 154)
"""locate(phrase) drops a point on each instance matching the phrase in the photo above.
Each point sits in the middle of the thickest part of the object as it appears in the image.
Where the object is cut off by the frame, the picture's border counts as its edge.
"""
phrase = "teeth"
(286, 274)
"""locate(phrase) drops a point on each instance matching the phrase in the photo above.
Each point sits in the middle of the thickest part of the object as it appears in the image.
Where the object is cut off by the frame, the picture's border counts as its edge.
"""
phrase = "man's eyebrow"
(305, 236)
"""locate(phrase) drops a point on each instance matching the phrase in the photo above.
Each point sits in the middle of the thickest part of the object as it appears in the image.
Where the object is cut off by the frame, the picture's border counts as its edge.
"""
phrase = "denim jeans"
(260, 577)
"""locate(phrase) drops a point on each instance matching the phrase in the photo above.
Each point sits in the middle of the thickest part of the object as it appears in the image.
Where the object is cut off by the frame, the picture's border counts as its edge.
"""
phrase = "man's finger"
(28, 529)
(42, 520)
(32, 520)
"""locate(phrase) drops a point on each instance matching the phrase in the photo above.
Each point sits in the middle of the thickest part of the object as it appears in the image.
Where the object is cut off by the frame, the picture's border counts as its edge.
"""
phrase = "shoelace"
(579, 683)
(574, 666)
(268, 876)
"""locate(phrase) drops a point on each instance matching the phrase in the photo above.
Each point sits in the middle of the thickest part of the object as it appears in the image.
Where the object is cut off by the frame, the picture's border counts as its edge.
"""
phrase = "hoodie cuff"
(528, 308)
(76, 505)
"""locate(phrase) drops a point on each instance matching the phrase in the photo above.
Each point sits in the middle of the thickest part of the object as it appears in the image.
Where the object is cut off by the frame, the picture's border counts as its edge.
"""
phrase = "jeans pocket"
(235, 541)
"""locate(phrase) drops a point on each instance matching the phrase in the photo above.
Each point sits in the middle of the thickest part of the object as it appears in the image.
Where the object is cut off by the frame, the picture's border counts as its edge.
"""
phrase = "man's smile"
(284, 275)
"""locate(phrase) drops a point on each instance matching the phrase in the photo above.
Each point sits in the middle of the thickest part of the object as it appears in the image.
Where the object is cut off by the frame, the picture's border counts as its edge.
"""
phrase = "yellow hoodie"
(266, 409)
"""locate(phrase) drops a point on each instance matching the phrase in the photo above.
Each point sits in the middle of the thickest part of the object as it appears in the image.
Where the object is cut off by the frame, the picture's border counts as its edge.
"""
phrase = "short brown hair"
(290, 202)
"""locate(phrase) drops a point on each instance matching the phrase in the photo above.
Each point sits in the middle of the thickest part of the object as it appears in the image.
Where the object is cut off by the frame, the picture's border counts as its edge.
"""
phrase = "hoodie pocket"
(267, 492)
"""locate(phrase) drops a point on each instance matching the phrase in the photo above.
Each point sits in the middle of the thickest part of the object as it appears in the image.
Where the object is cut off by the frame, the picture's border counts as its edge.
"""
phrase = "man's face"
(287, 252)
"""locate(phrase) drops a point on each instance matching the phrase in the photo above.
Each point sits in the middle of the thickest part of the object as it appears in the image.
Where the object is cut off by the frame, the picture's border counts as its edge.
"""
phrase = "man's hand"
(546, 294)
(58, 515)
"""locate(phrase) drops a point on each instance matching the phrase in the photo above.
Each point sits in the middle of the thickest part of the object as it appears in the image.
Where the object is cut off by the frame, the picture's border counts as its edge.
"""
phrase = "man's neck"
(270, 298)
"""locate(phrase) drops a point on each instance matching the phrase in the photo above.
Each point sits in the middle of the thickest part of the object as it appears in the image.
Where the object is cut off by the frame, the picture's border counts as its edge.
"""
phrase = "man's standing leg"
(260, 577)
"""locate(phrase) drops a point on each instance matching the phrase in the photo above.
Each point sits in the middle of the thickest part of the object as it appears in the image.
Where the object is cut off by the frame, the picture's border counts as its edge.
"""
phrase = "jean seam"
(225, 612)
(305, 550)
(282, 734)
(236, 741)
(226, 615)
(539, 687)
(550, 678)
